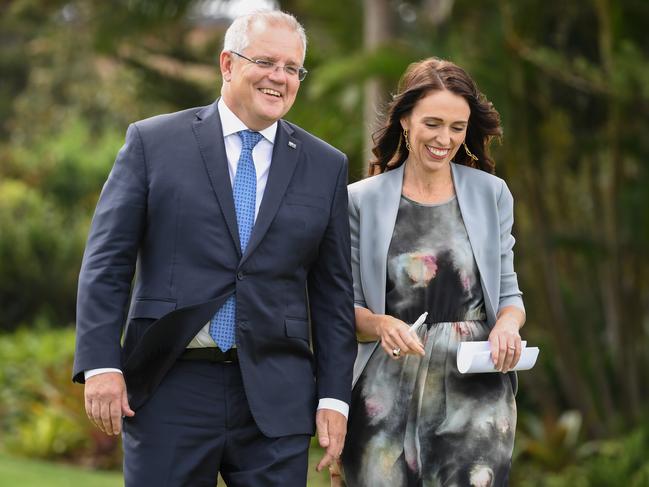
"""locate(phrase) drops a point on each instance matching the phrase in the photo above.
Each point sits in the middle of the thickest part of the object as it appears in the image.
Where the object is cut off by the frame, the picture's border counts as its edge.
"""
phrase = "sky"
(233, 8)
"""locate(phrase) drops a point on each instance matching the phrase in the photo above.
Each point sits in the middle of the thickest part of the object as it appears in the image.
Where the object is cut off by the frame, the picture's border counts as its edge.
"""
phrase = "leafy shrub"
(40, 254)
(41, 411)
(550, 454)
(69, 166)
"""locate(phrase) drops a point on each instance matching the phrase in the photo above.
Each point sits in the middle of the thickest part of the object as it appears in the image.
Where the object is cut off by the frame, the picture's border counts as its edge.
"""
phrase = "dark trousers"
(197, 424)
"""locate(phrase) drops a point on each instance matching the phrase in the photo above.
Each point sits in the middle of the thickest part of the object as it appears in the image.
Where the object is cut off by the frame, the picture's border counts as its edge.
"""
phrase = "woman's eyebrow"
(437, 119)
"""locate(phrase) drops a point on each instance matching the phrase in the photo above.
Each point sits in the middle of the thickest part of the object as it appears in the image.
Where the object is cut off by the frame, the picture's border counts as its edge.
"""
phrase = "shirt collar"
(231, 124)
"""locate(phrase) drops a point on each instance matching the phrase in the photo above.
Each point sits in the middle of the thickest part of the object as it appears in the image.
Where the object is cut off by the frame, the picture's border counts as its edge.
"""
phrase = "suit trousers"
(198, 424)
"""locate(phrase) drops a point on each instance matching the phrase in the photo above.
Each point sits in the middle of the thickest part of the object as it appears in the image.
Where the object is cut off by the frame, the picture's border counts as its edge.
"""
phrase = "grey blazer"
(486, 205)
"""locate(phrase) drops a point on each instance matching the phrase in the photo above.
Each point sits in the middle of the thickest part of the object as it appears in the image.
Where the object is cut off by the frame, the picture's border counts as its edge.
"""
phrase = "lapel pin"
(291, 144)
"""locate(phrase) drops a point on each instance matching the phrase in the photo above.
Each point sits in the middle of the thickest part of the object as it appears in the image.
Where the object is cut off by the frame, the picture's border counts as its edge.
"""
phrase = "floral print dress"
(417, 421)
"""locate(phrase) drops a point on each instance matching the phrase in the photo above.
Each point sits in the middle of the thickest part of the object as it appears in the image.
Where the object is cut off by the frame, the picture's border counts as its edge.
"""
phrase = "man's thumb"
(126, 409)
(323, 434)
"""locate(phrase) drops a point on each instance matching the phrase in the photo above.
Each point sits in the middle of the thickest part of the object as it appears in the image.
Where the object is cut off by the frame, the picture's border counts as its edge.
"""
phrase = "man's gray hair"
(237, 37)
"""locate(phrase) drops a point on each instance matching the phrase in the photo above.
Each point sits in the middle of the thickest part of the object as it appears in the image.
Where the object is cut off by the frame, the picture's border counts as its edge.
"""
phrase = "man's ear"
(225, 63)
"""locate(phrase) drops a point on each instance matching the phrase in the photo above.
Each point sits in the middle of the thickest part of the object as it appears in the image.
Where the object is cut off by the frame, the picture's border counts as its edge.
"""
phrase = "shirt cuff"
(87, 374)
(334, 404)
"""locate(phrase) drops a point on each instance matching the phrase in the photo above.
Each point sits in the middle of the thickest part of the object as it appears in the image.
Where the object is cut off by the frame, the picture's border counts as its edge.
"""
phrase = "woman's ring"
(512, 347)
(396, 352)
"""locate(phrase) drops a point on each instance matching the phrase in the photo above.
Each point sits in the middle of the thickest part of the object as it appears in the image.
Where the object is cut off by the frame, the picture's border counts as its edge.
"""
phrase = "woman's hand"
(335, 475)
(505, 339)
(397, 339)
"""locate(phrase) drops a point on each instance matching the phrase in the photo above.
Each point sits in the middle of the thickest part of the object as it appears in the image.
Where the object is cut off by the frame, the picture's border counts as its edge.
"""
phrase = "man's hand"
(332, 427)
(106, 401)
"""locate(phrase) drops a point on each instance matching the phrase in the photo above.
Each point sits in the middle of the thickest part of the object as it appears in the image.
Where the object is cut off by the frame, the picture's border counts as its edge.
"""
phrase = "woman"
(432, 235)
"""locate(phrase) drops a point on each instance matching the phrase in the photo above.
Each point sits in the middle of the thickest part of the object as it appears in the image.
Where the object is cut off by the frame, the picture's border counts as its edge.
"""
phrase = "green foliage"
(49, 433)
(50, 189)
(38, 262)
(69, 166)
(41, 411)
(553, 456)
(354, 69)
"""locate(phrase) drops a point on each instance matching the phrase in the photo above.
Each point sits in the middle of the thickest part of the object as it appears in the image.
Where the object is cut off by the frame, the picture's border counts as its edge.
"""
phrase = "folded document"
(474, 357)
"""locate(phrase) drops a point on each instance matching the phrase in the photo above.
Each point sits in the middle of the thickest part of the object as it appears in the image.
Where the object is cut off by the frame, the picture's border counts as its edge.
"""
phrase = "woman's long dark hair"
(419, 80)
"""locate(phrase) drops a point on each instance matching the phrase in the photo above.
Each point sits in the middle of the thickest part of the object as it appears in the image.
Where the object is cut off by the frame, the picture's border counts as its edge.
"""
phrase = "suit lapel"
(209, 135)
(286, 153)
(474, 220)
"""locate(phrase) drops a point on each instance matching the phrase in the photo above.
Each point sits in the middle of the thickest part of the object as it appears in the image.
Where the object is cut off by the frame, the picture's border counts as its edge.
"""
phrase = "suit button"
(240, 275)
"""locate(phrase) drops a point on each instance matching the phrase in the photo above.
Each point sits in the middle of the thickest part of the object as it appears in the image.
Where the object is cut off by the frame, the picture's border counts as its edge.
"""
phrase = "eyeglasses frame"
(264, 64)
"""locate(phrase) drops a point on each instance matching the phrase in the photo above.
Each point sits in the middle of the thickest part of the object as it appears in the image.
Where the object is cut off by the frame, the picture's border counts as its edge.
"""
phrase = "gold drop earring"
(405, 137)
(469, 153)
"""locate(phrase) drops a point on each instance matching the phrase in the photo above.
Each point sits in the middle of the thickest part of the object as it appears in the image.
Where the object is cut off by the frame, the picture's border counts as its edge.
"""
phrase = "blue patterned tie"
(244, 191)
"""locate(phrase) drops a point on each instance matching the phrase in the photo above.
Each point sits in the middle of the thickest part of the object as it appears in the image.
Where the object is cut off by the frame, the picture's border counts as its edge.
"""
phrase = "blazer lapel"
(286, 152)
(470, 209)
(209, 135)
(384, 206)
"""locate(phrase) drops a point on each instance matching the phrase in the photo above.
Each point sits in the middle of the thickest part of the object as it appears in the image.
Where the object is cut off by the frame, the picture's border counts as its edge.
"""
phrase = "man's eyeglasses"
(293, 71)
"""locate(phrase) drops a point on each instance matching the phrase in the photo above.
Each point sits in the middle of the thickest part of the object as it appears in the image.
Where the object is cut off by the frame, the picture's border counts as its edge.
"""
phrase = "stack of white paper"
(475, 357)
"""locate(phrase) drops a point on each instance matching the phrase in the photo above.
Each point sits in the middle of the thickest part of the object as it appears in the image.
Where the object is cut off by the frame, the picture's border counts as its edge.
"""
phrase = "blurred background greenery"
(571, 81)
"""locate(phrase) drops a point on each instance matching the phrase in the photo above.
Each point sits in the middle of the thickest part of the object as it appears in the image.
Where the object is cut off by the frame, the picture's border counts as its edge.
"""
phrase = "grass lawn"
(32, 473)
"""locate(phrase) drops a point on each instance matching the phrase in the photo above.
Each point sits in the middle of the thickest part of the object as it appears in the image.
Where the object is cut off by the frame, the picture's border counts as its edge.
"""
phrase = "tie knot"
(249, 139)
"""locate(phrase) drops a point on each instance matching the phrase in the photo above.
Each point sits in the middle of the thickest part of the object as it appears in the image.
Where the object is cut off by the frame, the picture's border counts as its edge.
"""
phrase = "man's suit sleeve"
(331, 301)
(109, 260)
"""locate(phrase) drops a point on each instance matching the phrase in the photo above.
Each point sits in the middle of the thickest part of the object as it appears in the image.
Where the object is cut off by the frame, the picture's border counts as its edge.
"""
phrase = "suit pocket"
(305, 199)
(297, 328)
(144, 313)
(151, 308)
(134, 330)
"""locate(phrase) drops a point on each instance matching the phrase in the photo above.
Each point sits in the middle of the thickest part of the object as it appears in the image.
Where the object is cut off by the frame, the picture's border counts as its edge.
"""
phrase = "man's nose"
(278, 75)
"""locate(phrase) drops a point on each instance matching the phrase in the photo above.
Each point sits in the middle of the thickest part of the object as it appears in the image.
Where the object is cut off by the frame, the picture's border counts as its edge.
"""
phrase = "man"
(238, 222)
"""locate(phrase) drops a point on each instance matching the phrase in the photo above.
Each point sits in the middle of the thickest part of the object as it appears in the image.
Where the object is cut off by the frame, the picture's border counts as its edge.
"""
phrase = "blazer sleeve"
(109, 260)
(331, 301)
(510, 294)
(354, 228)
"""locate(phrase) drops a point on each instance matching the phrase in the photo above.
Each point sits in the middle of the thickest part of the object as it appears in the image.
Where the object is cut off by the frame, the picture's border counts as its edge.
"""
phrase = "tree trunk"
(378, 30)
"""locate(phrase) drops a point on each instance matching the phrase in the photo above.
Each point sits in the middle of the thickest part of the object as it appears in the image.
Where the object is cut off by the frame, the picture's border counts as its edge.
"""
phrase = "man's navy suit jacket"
(167, 206)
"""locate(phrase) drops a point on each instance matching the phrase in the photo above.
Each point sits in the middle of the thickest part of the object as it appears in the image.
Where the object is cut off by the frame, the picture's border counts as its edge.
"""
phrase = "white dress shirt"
(262, 155)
